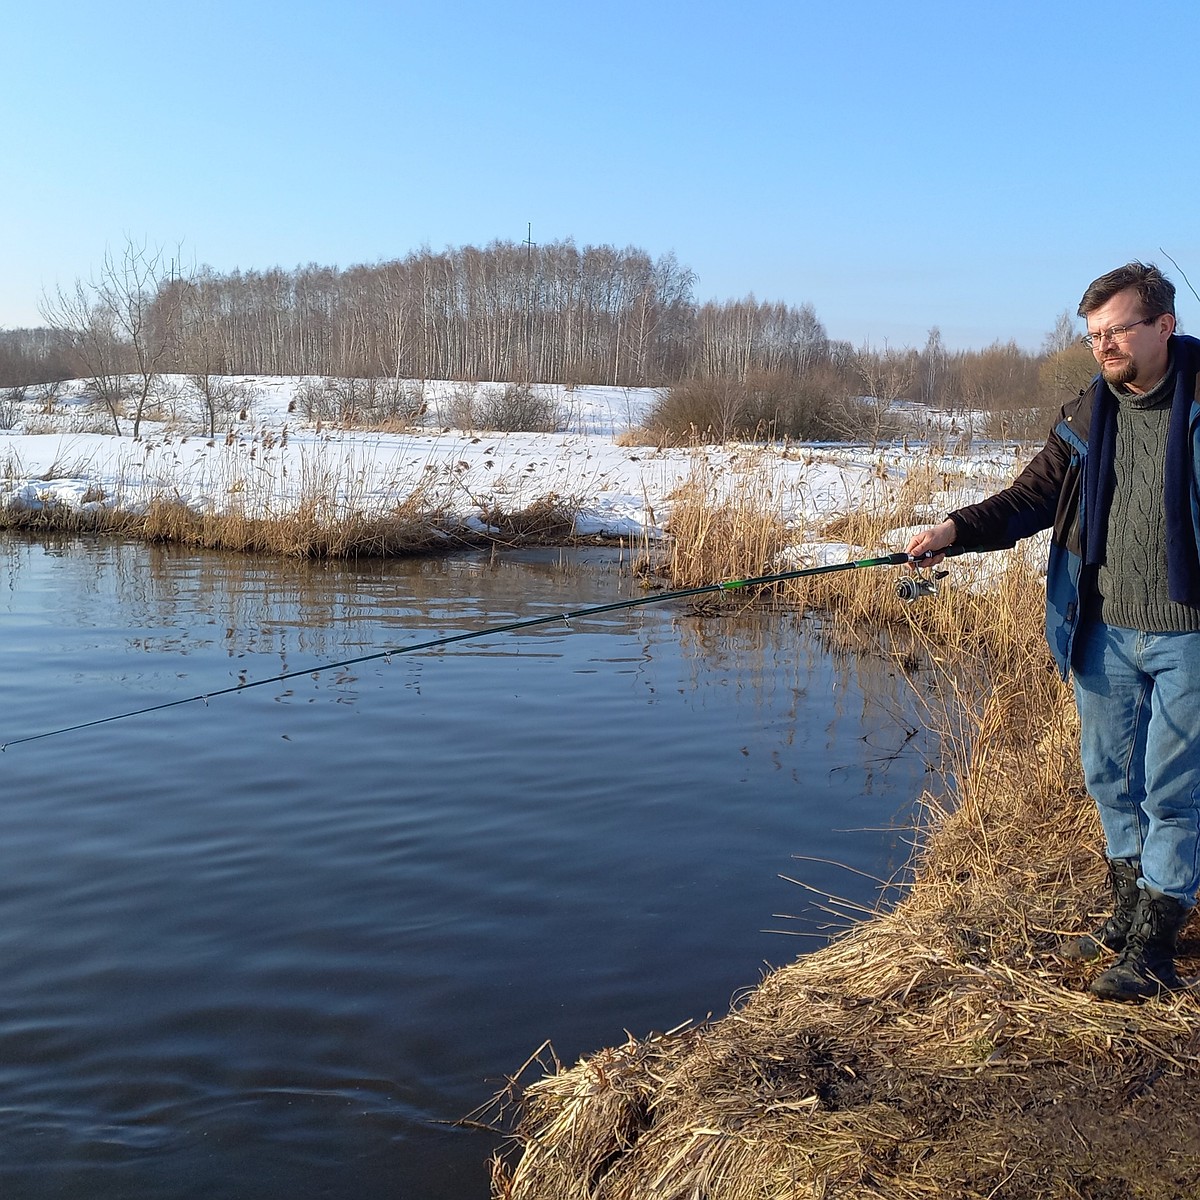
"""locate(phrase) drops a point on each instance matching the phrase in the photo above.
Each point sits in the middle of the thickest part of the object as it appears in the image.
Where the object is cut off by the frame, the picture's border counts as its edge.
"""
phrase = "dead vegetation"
(721, 528)
(314, 530)
(333, 517)
(940, 1048)
(550, 518)
(319, 526)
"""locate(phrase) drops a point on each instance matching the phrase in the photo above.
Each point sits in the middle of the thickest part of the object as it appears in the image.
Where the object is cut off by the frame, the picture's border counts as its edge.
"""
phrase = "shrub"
(766, 404)
(47, 395)
(219, 398)
(461, 408)
(113, 394)
(518, 408)
(365, 403)
(10, 406)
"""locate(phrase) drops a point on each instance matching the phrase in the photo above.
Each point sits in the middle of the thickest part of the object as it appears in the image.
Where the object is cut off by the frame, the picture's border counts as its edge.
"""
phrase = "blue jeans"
(1138, 696)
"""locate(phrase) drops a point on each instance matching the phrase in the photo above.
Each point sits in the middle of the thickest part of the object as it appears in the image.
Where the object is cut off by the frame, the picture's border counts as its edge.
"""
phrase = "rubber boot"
(1122, 881)
(1146, 966)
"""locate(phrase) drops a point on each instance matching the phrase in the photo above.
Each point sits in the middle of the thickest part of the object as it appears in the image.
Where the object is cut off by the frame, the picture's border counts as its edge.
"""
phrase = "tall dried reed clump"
(334, 514)
(723, 526)
(316, 528)
(49, 516)
(940, 1048)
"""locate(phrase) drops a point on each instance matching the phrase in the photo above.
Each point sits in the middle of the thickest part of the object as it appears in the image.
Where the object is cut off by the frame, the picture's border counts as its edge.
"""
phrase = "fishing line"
(887, 560)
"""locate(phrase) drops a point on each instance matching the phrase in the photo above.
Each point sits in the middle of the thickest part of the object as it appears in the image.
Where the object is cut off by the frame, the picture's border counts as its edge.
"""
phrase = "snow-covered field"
(268, 458)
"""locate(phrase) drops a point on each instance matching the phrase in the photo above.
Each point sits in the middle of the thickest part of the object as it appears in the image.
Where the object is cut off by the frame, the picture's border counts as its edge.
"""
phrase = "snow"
(267, 458)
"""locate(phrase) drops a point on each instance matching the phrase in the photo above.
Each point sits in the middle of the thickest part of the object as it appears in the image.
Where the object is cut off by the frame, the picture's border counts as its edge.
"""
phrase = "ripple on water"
(267, 945)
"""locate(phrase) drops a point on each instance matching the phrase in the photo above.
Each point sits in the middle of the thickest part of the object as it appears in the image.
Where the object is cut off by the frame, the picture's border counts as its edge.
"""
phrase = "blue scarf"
(1183, 557)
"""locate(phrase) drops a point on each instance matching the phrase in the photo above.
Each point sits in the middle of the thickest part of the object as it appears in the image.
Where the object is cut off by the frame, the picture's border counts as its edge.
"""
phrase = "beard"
(1119, 371)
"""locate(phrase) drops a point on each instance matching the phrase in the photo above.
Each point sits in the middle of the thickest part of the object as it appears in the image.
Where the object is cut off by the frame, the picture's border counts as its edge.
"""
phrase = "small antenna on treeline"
(1181, 271)
(529, 244)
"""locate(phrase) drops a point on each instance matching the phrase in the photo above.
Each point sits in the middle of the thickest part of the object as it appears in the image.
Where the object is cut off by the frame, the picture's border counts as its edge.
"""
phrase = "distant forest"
(509, 311)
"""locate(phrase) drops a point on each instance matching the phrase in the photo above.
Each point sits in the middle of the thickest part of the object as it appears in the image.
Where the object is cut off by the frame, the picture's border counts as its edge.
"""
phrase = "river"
(274, 944)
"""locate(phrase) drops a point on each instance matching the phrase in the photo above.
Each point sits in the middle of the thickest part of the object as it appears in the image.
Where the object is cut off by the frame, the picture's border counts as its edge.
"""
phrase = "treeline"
(507, 312)
(29, 356)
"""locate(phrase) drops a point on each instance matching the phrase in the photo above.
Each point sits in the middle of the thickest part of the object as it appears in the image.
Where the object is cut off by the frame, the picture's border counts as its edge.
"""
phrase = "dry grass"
(52, 517)
(722, 528)
(322, 524)
(639, 436)
(338, 511)
(940, 1048)
(548, 519)
(315, 529)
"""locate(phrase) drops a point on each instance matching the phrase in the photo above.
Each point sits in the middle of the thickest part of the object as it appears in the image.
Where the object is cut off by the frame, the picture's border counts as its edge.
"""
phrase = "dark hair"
(1155, 291)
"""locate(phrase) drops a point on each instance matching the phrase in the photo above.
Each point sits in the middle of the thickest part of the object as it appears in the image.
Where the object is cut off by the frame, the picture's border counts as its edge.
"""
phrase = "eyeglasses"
(1118, 333)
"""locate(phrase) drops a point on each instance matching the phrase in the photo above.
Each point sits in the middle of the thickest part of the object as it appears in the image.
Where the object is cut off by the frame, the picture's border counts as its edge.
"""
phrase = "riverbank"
(280, 481)
(938, 1048)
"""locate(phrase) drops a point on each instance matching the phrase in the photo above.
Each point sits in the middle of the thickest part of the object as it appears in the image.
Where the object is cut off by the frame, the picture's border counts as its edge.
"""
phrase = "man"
(1119, 481)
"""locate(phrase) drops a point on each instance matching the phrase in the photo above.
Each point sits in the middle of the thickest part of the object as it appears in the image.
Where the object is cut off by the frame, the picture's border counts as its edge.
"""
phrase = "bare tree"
(143, 290)
(933, 368)
(90, 331)
(122, 324)
(887, 375)
(204, 353)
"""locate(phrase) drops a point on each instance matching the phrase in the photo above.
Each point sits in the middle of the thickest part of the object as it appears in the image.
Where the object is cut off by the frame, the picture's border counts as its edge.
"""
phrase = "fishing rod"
(730, 585)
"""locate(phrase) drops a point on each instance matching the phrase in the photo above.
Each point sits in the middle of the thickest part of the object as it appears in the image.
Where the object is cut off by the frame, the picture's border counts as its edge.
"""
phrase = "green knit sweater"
(1132, 581)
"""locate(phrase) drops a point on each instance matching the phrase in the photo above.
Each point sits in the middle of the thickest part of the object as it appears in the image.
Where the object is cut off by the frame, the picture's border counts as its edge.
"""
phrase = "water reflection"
(263, 947)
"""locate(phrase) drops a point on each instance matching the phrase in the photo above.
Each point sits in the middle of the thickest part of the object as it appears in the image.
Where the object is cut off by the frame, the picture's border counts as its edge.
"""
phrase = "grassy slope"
(941, 1049)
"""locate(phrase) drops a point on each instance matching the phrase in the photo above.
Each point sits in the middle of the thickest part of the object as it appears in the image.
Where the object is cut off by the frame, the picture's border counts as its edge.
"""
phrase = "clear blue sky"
(898, 165)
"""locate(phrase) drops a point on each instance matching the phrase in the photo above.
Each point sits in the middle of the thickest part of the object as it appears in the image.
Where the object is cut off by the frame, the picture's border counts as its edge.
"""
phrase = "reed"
(724, 524)
(315, 526)
(324, 509)
(940, 1047)
(548, 519)
(311, 530)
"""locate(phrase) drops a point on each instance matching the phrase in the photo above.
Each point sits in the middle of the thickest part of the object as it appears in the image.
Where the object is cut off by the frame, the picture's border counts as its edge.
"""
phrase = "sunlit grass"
(930, 1048)
(313, 506)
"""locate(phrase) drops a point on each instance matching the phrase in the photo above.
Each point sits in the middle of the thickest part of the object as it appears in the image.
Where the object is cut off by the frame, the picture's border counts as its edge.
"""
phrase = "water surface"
(271, 945)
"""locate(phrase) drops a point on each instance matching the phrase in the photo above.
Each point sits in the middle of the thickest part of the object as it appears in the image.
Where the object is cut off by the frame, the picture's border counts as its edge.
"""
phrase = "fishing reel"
(913, 587)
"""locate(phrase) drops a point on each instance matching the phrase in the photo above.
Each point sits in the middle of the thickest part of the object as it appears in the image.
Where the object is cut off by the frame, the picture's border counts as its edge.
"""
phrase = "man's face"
(1138, 358)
